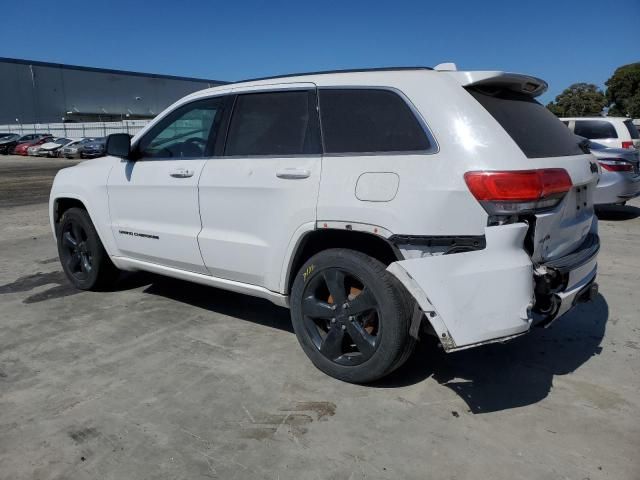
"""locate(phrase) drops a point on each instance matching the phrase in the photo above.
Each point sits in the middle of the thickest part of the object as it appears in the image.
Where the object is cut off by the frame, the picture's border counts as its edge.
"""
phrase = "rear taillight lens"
(616, 165)
(517, 191)
(627, 144)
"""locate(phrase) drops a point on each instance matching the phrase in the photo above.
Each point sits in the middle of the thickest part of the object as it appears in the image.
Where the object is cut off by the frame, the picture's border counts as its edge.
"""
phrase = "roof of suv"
(527, 84)
(327, 72)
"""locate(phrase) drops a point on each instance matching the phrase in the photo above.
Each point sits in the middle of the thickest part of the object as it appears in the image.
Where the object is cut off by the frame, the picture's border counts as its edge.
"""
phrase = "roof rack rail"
(323, 72)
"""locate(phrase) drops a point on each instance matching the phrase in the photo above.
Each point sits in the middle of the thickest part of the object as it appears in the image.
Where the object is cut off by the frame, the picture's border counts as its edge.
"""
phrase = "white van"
(613, 132)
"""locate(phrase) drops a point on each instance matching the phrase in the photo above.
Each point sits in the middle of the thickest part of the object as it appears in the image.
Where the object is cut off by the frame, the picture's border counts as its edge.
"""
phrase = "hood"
(50, 145)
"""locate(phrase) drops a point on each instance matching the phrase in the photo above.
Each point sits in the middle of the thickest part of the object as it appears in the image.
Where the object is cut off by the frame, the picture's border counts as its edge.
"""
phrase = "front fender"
(87, 183)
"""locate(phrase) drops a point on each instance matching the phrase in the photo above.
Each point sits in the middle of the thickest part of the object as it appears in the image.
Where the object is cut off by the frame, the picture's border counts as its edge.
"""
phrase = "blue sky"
(562, 41)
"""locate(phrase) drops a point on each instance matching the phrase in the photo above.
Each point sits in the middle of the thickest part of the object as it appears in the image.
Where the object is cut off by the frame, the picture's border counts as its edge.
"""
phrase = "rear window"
(367, 121)
(594, 129)
(537, 131)
(633, 130)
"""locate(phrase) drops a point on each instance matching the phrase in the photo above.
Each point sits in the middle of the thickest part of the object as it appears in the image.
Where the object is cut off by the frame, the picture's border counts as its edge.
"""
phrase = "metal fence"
(77, 130)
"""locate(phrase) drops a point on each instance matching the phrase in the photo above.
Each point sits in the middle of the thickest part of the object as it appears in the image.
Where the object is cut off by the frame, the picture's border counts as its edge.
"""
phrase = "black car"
(94, 149)
(7, 142)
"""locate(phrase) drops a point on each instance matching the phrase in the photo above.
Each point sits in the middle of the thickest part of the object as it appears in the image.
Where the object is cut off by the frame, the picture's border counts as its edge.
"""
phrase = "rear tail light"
(627, 144)
(616, 165)
(517, 191)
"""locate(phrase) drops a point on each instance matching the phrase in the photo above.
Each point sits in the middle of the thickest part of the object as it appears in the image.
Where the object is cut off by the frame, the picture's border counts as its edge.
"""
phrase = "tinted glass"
(536, 131)
(369, 120)
(274, 123)
(595, 129)
(184, 133)
(633, 130)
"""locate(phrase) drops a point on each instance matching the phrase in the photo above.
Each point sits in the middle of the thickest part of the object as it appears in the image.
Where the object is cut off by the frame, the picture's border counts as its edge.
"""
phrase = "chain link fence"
(77, 130)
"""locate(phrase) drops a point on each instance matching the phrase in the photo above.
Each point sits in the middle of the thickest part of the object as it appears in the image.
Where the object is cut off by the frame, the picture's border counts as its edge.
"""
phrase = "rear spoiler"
(513, 81)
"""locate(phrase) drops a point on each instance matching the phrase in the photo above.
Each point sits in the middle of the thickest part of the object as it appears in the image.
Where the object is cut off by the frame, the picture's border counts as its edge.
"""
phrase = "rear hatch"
(547, 144)
(633, 132)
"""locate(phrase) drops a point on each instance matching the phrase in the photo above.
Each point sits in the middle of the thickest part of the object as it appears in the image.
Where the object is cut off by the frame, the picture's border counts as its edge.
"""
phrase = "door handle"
(293, 173)
(181, 173)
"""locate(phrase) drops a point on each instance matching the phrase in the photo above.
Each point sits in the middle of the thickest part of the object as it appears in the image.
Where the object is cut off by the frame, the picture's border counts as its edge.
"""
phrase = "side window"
(274, 123)
(186, 132)
(594, 129)
(369, 120)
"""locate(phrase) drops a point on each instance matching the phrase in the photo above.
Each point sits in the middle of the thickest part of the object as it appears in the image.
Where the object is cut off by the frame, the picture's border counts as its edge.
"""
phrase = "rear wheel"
(83, 257)
(350, 316)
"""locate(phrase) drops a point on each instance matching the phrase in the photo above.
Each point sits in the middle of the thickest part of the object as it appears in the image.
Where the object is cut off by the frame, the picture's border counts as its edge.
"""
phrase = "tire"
(82, 255)
(362, 339)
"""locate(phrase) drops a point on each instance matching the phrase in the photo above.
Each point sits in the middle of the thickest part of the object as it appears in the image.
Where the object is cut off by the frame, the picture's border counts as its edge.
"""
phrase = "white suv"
(378, 205)
(612, 132)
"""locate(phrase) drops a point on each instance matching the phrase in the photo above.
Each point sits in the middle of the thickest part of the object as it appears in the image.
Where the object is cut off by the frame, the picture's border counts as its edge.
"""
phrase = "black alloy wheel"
(82, 255)
(351, 316)
(76, 254)
(341, 316)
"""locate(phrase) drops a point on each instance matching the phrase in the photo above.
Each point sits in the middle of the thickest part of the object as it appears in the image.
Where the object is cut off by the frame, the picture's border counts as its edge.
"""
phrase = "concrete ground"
(166, 379)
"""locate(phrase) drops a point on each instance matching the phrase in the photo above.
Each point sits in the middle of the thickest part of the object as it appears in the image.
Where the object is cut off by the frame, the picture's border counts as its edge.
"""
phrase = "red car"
(21, 148)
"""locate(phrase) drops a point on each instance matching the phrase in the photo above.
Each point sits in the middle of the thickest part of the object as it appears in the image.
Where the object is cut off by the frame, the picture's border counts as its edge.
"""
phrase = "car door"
(263, 188)
(153, 200)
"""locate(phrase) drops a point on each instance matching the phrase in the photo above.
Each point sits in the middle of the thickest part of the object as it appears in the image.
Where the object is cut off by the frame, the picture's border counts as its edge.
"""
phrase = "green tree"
(623, 91)
(579, 100)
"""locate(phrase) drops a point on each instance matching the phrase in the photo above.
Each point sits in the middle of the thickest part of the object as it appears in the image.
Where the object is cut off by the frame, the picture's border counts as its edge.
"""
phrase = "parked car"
(93, 149)
(74, 149)
(620, 174)
(7, 142)
(10, 144)
(436, 211)
(22, 147)
(50, 149)
(33, 150)
(613, 132)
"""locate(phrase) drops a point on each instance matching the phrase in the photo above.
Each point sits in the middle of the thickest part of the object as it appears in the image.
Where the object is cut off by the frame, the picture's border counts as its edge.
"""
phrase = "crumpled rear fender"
(474, 297)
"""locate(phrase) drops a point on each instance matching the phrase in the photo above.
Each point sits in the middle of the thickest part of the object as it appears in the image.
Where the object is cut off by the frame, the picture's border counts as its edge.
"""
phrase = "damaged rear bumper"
(495, 294)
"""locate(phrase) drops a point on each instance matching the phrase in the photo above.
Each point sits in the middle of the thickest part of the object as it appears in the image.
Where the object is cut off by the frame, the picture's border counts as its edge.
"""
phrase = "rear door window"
(594, 129)
(536, 131)
(633, 130)
(274, 123)
(369, 121)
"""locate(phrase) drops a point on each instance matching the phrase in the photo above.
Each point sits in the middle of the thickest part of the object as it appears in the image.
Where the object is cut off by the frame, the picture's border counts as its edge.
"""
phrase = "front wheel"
(350, 316)
(84, 259)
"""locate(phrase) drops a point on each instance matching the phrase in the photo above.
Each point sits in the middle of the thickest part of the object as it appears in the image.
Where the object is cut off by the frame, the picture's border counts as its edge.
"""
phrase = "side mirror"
(119, 145)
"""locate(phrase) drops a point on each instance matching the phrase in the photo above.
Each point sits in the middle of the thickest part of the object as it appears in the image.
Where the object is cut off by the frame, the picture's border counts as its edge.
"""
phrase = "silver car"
(74, 149)
(620, 175)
